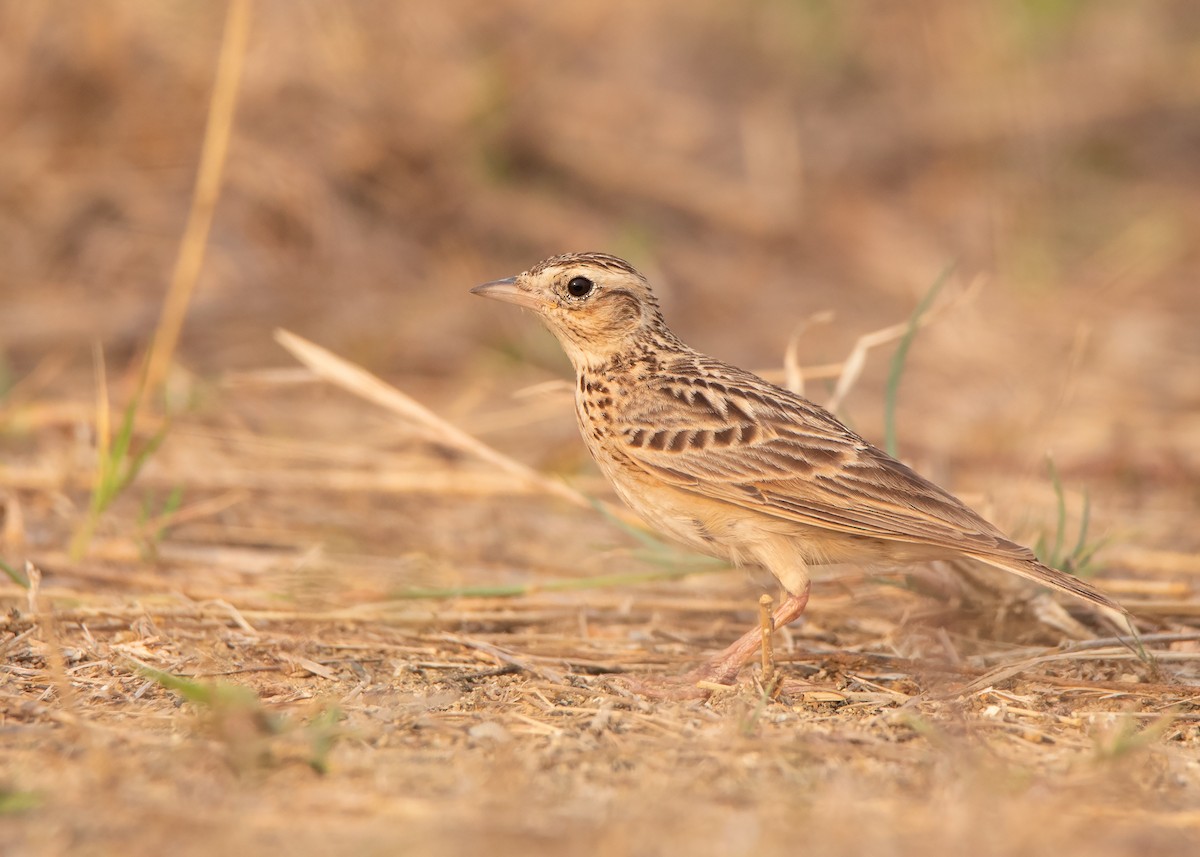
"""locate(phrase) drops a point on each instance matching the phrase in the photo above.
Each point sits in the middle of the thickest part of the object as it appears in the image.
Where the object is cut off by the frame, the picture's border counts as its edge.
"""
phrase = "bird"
(733, 466)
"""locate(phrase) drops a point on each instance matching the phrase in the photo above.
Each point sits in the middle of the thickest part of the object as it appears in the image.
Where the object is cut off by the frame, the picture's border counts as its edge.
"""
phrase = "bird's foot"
(719, 674)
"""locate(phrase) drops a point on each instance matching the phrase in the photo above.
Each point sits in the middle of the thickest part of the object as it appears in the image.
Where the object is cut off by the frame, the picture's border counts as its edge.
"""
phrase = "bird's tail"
(1060, 580)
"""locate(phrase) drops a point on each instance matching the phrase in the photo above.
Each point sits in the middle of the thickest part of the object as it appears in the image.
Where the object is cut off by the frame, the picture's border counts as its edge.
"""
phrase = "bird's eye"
(580, 287)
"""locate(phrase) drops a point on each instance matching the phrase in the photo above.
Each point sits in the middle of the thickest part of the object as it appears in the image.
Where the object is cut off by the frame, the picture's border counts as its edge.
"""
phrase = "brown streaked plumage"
(733, 465)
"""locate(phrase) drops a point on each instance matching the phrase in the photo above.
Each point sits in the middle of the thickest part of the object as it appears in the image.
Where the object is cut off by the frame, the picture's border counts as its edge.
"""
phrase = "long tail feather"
(1055, 579)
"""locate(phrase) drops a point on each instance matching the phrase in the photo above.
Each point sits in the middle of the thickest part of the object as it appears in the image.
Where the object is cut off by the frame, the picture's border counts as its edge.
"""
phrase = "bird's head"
(598, 306)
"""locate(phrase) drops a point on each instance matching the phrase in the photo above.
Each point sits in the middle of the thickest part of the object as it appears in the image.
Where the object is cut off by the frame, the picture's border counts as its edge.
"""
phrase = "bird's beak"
(508, 291)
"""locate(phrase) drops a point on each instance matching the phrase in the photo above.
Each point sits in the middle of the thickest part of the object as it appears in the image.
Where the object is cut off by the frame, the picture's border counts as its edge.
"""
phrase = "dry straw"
(213, 153)
(357, 380)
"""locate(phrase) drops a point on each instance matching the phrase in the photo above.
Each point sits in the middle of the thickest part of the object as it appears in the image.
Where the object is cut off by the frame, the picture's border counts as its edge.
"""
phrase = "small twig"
(12, 641)
(196, 511)
(1007, 672)
(34, 575)
(507, 657)
(766, 623)
(234, 614)
(793, 371)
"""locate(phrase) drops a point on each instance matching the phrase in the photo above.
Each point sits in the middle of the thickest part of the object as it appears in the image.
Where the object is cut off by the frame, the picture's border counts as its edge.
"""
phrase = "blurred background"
(761, 161)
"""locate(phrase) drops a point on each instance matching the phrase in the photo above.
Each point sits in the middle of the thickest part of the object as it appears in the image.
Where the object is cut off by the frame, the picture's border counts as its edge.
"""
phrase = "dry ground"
(314, 626)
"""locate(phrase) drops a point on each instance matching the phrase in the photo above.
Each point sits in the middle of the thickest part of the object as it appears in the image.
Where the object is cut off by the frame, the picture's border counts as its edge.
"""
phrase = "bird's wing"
(733, 437)
(748, 443)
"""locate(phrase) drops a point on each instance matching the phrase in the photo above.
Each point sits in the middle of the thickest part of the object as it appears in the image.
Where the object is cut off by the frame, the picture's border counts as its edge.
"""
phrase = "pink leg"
(724, 668)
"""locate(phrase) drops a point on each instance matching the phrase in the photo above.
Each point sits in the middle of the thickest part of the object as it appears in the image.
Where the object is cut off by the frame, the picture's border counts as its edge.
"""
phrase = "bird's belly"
(663, 508)
(721, 530)
(688, 522)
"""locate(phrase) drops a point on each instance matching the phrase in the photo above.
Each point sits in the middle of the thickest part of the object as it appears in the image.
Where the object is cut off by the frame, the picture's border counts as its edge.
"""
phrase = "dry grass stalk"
(358, 381)
(208, 187)
(195, 511)
(853, 365)
(794, 374)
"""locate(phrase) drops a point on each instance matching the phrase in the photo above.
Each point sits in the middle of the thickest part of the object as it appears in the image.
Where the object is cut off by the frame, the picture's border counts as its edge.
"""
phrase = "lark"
(736, 467)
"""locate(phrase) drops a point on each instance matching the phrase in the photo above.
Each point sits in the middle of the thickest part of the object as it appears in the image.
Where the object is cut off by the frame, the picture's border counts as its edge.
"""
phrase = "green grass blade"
(1055, 557)
(645, 537)
(1085, 517)
(15, 801)
(14, 575)
(324, 732)
(514, 590)
(656, 550)
(124, 438)
(896, 371)
(135, 464)
(192, 691)
(203, 693)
